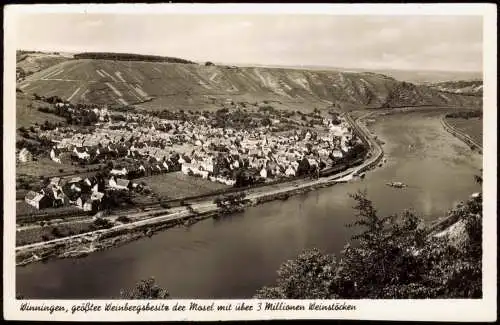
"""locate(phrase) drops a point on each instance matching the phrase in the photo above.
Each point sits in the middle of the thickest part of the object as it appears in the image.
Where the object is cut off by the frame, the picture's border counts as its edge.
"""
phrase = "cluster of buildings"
(84, 193)
(195, 147)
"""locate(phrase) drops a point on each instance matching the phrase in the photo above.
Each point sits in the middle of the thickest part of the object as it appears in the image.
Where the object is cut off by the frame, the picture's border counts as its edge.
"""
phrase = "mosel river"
(232, 258)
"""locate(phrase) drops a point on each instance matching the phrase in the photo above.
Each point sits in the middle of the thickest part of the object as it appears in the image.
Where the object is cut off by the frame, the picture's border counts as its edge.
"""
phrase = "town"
(238, 147)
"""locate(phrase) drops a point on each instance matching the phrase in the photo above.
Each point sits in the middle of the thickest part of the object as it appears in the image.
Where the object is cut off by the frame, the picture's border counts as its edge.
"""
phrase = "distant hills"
(153, 82)
(464, 87)
(414, 76)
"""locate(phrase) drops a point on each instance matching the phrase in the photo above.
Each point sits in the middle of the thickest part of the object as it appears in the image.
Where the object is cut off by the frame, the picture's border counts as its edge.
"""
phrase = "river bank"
(474, 145)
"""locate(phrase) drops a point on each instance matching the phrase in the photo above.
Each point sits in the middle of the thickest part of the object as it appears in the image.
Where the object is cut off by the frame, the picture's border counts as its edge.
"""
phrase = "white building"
(25, 155)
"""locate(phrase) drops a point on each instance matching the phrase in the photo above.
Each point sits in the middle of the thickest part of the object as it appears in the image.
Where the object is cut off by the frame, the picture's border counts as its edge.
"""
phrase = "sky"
(448, 43)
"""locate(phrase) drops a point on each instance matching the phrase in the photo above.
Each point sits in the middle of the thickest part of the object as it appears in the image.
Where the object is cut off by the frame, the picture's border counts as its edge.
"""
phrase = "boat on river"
(397, 184)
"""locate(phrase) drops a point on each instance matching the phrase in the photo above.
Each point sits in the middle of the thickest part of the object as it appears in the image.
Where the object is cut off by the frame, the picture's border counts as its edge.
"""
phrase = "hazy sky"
(372, 42)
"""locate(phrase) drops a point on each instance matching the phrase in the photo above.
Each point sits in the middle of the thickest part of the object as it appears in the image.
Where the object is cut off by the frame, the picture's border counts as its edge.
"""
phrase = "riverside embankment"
(460, 135)
(83, 244)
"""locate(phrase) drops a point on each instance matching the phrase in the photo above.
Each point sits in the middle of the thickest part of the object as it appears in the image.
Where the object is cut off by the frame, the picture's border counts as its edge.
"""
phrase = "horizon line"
(245, 64)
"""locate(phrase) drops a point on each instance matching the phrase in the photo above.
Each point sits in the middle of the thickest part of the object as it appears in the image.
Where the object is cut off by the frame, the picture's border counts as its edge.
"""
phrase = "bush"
(101, 223)
(56, 232)
(123, 219)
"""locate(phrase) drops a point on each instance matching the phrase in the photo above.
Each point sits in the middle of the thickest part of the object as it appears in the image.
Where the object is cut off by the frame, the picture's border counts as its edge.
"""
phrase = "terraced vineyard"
(159, 85)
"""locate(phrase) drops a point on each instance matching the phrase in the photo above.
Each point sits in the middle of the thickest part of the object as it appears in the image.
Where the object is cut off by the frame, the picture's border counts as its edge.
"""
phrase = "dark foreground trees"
(145, 289)
(395, 257)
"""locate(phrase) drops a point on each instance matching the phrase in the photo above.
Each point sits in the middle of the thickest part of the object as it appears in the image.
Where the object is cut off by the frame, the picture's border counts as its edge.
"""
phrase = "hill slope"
(159, 85)
(464, 87)
(30, 62)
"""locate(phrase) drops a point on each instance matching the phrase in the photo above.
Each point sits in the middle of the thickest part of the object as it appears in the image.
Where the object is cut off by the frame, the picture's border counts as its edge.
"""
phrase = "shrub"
(123, 219)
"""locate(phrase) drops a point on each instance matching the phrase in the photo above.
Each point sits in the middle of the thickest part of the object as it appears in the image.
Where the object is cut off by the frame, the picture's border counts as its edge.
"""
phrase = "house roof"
(75, 180)
(97, 196)
(31, 195)
(55, 180)
(122, 182)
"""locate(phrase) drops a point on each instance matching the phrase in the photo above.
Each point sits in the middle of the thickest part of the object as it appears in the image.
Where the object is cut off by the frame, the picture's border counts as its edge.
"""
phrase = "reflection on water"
(233, 257)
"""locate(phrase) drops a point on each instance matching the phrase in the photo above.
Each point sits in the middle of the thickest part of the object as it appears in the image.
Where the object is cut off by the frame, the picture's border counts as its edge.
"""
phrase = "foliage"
(101, 223)
(129, 57)
(123, 219)
(145, 289)
(393, 257)
(465, 114)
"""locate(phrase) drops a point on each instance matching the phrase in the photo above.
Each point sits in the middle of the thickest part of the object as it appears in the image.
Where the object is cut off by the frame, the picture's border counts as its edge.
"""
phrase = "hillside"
(160, 85)
(464, 87)
(28, 62)
(414, 76)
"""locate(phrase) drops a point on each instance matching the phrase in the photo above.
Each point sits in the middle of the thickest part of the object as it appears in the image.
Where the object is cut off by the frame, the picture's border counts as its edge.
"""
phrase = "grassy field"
(27, 113)
(473, 127)
(177, 185)
(34, 235)
(23, 208)
(48, 167)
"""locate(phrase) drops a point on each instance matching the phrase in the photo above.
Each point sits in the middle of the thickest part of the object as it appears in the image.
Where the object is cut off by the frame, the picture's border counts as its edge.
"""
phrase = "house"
(38, 200)
(119, 183)
(120, 172)
(81, 155)
(55, 182)
(75, 180)
(97, 196)
(25, 155)
(290, 171)
(263, 172)
(337, 153)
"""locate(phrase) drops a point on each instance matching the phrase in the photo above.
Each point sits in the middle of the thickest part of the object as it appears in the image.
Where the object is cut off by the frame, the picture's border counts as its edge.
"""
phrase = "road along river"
(234, 256)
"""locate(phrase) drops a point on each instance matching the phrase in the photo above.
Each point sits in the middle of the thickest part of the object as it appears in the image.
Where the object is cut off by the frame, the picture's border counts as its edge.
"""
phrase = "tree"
(304, 167)
(311, 272)
(395, 257)
(145, 289)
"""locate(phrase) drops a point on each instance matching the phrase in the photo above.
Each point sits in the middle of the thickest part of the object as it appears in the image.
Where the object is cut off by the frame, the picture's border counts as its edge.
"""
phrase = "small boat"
(396, 184)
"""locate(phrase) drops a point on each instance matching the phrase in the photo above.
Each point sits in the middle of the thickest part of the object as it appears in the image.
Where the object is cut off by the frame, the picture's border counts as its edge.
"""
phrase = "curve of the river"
(233, 257)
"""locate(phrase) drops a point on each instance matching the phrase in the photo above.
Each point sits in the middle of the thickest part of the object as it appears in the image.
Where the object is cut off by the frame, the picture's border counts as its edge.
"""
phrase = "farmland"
(23, 208)
(177, 185)
(49, 168)
(473, 127)
(49, 232)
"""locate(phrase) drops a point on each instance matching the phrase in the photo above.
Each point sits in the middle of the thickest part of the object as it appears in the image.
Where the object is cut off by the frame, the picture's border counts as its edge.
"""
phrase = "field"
(49, 168)
(23, 208)
(34, 62)
(473, 127)
(38, 234)
(177, 185)
(27, 113)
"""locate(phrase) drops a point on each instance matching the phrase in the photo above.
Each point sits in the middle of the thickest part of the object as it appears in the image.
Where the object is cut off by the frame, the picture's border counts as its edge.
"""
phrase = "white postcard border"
(430, 310)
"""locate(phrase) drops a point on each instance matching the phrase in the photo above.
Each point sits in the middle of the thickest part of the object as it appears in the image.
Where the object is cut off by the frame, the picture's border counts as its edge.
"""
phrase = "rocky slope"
(464, 87)
(159, 85)
(28, 63)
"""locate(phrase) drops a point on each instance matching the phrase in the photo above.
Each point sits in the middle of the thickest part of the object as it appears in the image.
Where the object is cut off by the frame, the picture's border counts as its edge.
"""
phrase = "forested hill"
(129, 57)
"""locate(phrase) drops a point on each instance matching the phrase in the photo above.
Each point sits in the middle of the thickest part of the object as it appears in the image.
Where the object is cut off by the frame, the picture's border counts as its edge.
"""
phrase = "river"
(233, 257)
